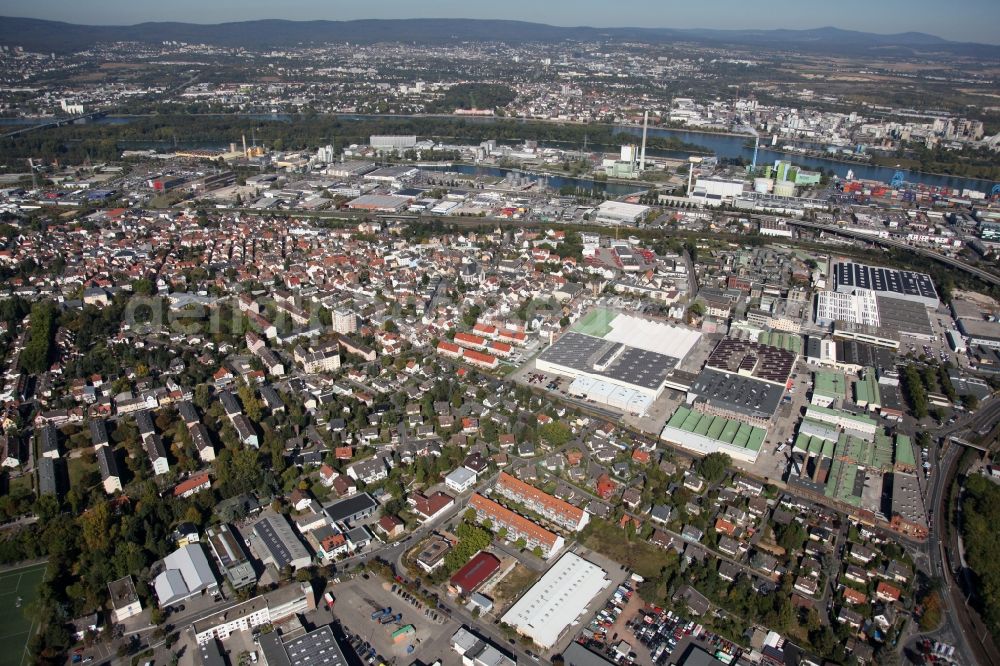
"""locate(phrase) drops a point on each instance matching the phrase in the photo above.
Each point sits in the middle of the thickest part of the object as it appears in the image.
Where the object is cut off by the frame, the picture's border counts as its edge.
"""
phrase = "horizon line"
(511, 20)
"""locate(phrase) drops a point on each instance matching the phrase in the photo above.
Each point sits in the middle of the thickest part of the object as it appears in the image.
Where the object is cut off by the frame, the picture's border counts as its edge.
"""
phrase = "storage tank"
(784, 189)
(763, 185)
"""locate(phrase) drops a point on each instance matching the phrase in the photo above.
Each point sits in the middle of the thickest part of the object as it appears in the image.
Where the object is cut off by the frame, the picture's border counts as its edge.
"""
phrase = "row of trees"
(37, 352)
(981, 515)
(913, 387)
(74, 143)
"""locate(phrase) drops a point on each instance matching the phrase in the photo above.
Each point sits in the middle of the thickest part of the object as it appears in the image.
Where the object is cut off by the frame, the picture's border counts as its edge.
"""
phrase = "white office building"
(460, 480)
(860, 307)
(392, 142)
(617, 212)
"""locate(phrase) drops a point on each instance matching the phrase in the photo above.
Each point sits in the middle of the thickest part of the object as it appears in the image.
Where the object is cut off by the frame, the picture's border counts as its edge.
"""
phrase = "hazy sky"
(960, 20)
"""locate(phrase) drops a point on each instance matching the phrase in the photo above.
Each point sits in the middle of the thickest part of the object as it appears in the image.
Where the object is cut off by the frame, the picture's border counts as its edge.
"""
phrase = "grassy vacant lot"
(513, 585)
(83, 471)
(18, 588)
(638, 555)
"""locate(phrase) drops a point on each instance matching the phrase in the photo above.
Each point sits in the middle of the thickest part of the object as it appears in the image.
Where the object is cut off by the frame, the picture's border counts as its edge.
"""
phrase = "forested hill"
(52, 36)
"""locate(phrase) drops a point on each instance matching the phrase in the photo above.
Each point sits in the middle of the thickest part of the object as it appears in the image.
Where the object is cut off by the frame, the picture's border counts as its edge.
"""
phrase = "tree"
(970, 402)
(930, 619)
(916, 394)
(35, 356)
(792, 537)
(251, 405)
(143, 287)
(202, 396)
(555, 433)
(471, 315)
(714, 466)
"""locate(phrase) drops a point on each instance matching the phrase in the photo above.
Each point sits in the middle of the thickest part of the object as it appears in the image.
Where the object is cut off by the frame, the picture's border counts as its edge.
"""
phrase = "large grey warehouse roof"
(617, 361)
(737, 393)
(903, 316)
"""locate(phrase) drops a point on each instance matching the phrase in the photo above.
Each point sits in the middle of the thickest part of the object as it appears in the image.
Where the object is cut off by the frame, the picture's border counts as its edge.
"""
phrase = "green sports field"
(597, 322)
(15, 627)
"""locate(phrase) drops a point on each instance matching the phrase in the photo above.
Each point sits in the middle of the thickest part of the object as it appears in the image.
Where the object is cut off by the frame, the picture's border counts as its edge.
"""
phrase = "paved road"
(957, 626)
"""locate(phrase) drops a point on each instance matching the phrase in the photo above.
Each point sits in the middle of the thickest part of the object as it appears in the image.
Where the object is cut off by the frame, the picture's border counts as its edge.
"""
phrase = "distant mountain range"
(53, 36)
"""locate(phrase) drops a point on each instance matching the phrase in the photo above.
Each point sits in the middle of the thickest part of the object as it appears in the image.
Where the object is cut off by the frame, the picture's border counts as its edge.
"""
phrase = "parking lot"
(628, 632)
(358, 599)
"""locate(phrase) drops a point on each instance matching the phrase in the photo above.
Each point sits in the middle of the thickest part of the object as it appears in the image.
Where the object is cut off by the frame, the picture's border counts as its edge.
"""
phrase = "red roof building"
(430, 506)
(469, 340)
(551, 508)
(854, 597)
(448, 349)
(480, 359)
(500, 348)
(723, 526)
(485, 330)
(517, 526)
(475, 572)
(887, 592)
(390, 526)
(195, 484)
(641, 456)
(605, 487)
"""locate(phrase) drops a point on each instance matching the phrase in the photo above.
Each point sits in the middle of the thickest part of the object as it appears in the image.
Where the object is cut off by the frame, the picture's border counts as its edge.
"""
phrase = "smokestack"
(245, 154)
(645, 126)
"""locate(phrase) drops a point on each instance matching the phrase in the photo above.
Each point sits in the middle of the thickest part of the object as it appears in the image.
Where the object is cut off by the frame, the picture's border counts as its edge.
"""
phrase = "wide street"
(960, 627)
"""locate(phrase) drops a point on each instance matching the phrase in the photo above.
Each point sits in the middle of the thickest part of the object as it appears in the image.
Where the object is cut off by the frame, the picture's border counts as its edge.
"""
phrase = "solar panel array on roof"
(315, 648)
(907, 285)
(279, 541)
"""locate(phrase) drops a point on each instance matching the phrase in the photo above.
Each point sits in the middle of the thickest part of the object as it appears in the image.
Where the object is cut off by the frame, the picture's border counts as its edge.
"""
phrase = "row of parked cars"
(429, 613)
(596, 635)
(366, 653)
(662, 631)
